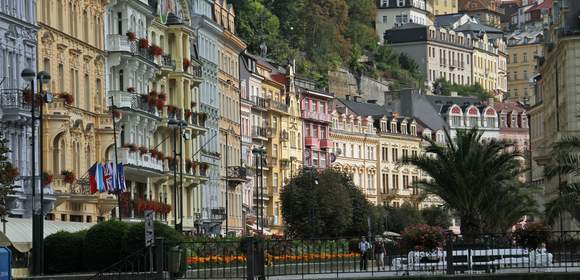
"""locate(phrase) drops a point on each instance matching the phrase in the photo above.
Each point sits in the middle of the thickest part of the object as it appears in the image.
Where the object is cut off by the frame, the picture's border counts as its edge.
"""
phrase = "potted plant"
(162, 96)
(69, 176)
(186, 64)
(143, 43)
(68, 98)
(156, 50)
(131, 36)
(143, 150)
(160, 155)
(188, 114)
(153, 152)
(46, 178)
(159, 104)
(131, 89)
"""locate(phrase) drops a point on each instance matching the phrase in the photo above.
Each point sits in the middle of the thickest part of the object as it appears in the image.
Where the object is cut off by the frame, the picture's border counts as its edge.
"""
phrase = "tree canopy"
(324, 204)
(8, 174)
(320, 35)
(469, 174)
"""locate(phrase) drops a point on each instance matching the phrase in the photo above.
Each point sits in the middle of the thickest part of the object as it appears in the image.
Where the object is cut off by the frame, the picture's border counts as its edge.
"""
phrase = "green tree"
(469, 174)
(436, 216)
(443, 87)
(325, 204)
(566, 162)
(8, 174)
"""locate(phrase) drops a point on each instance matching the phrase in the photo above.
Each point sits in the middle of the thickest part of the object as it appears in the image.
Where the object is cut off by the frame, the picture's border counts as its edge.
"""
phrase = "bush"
(422, 238)
(136, 235)
(532, 235)
(64, 252)
(105, 244)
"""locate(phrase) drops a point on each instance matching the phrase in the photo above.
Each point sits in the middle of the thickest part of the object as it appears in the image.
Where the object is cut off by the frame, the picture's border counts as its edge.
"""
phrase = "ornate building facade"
(18, 42)
(78, 128)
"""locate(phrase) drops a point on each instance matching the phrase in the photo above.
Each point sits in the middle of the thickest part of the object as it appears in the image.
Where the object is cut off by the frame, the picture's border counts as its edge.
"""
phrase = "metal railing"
(137, 265)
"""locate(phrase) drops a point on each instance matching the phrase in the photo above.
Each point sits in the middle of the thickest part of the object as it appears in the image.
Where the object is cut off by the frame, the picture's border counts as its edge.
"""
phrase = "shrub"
(531, 236)
(105, 244)
(422, 237)
(64, 252)
(136, 235)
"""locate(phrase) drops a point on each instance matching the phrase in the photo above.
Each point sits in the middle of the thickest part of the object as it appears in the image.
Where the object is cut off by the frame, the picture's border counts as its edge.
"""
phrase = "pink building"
(316, 106)
(513, 124)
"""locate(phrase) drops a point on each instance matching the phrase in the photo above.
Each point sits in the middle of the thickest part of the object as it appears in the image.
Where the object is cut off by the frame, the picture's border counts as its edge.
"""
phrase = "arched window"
(86, 26)
(60, 8)
(87, 93)
(58, 154)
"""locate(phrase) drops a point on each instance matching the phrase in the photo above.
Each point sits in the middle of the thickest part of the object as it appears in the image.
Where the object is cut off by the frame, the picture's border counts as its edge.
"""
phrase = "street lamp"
(177, 124)
(230, 130)
(37, 214)
(259, 155)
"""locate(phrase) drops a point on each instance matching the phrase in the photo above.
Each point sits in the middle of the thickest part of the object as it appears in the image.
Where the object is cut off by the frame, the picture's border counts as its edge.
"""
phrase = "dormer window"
(404, 128)
(383, 126)
(400, 3)
(413, 130)
(393, 127)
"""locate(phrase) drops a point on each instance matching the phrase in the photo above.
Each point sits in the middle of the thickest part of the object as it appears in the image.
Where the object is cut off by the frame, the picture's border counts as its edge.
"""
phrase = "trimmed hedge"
(99, 247)
(62, 252)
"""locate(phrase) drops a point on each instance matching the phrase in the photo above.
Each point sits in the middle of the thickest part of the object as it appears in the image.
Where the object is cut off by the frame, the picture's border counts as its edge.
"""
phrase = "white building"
(393, 13)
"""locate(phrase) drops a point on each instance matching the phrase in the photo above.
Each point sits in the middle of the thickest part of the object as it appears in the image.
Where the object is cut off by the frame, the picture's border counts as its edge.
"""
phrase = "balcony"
(167, 63)
(284, 136)
(118, 43)
(259, 132)
(271, 131)
(197, 119)
(278, 106)
(133, 101)
(266, 193)
(139, 160)
(325, 144)
(311, 141)
(260, 103)
(196, 72)
(13, 104)
(236, 175)
(316, 116)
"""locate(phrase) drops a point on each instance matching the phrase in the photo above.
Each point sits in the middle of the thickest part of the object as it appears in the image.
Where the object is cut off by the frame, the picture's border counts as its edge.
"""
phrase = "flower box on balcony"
(131, 36)
(68, 98)
(69, 176)
(188, 113)
(47, 178)
(143, 150)
(143, 43)
(156, 50)
(159, 104)
(162, 96)
(186, 64)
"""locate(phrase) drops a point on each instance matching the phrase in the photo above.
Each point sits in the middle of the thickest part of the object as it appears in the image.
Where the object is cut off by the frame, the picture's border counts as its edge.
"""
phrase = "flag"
(114, 180)
(99, 177)
(121, 178)
(93, 179)
(108, 178)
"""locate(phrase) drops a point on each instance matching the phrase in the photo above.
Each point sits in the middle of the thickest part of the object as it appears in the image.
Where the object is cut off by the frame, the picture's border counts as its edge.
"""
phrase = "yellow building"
(523, 47)
(229, 49)
(78, 129)
(485, 60)
(369, 144)
(443, 7)
(292, 151)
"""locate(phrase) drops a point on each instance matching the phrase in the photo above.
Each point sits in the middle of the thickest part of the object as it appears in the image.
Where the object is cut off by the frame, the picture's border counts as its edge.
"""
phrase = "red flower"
(69, 176)
(162, 96)
(131, 36)
(143, 150)
(156, 50)
(143, 43)
(152, 100)
(160, 103)
(171, 109)
(186, 64)
(68, 98)
(46, 178)
(153, 93)
(116, 114)
(188, 113)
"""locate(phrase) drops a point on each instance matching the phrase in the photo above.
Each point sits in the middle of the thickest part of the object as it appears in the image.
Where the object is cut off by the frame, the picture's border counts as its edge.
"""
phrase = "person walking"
(380, 252)
(364, 246)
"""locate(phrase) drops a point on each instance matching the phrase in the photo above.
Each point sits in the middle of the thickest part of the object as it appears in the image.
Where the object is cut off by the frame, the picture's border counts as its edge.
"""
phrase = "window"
(395, 182)
(456, 121)
(61, 78)
(405, 181)
(385, 153)
(395, 154)
(515, 75)
(525, 74)
(385, 188)
(86, 26)
(275, 182)
(490, 121)
(515, 58)
(405, 154)
(525, 57)
(385, 19)
(400, 3)
(473, 121)
(414, 154)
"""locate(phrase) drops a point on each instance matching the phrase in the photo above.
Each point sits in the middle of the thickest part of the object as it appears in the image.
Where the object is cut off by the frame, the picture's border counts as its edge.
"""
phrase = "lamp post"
(37, 213)
(259, 154)
(177, 125)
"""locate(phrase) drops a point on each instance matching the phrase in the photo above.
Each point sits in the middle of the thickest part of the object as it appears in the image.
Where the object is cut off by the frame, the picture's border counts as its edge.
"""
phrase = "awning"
(19, 231)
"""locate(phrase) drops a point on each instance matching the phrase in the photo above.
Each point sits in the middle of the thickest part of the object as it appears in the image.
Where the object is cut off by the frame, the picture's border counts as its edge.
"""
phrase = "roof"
(547, 4)
(525, 37)
(19, 231)
(364, 109)
(509, 106)
(448, 19)
(414, 104)
(410, 25)
(477, 28)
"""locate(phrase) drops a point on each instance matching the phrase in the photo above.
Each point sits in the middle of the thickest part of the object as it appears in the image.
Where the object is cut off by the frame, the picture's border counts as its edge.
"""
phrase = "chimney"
(347, 97)
(454, 94)
(490, 101)
(396, 114)
(372, 101)
(356, 98)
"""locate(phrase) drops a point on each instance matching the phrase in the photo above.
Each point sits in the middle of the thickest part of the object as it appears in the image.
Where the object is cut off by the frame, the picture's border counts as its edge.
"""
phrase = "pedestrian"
(364, 247)
(380, 252)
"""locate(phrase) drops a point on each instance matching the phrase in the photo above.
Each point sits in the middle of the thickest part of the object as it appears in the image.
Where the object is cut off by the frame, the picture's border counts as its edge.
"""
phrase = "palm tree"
(566, 155)
(478, 179)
